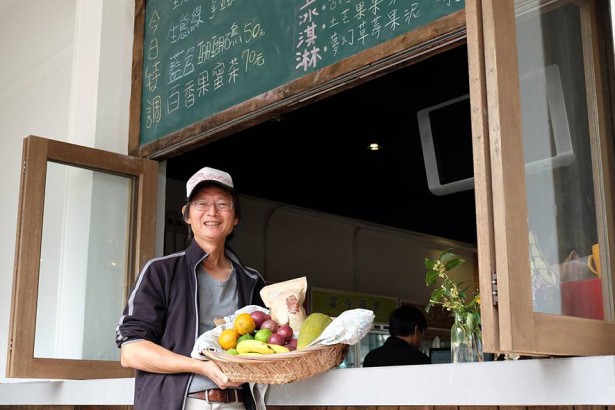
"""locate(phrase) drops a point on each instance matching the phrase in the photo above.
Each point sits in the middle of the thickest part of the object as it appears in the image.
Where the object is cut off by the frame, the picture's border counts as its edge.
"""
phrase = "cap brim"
(209, 182)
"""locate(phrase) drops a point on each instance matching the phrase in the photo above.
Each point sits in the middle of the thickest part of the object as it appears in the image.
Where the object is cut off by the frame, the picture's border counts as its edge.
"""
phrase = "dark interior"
(316, 157)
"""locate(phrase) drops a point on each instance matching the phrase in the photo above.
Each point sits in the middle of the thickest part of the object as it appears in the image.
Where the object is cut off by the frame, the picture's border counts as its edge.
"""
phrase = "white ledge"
(542, 382)
(561, 381)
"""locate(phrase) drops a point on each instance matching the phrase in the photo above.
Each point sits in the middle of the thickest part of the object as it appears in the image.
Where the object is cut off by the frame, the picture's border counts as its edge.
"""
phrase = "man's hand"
(211, 370)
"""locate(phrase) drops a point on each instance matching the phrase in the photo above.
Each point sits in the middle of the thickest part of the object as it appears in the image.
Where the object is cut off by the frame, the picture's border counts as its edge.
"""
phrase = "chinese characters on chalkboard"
(201, 57)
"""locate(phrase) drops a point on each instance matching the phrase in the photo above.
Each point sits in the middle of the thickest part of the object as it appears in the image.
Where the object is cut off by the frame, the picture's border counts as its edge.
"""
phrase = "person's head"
(409, 323)
(212, 203)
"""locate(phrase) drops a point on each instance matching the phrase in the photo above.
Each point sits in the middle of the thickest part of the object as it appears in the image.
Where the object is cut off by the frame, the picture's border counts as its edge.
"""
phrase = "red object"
(583, 298)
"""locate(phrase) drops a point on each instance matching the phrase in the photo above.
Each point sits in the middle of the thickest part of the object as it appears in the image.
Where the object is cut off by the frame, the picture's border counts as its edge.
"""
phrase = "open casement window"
(540, 78)
(86, 225)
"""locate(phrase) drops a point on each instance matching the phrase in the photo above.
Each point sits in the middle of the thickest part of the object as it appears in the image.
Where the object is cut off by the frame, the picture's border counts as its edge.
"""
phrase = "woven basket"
(280, 368)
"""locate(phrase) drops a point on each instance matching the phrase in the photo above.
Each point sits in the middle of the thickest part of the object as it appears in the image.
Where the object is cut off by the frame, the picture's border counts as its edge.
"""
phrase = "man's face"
(210, 222)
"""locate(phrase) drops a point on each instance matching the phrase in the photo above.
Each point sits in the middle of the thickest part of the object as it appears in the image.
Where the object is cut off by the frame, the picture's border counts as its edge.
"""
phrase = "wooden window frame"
(37, 152)
(503, 246)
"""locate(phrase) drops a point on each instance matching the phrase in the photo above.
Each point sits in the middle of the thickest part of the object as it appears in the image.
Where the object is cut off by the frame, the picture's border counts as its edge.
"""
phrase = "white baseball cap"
(208, 174)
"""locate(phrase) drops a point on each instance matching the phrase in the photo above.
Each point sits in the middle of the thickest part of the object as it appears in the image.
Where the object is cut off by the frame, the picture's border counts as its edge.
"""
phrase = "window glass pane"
(557, 144)
(84, 260)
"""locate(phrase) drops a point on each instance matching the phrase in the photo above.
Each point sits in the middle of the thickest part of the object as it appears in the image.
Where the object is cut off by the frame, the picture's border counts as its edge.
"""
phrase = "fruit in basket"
(279, 349)
(311, 328)
(276, 339)
(247, 336)
(263, 335)
(228, 338)
(244, 324)
(259, 317)
(232, 351)
(271, 325)
(286, 331)
(254, 346)
(291, 344)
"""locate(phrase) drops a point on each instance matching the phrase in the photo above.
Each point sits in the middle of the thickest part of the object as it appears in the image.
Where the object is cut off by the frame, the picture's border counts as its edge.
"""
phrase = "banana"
(279, 349)
(254, 346)
(250, 354)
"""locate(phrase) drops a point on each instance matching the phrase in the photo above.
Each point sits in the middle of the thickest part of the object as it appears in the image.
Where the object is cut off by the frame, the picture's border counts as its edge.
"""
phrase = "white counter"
(562, 381)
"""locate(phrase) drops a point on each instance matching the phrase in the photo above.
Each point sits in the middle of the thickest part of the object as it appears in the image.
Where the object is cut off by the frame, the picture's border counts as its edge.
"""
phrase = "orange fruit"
(244, 324)
(228, 338)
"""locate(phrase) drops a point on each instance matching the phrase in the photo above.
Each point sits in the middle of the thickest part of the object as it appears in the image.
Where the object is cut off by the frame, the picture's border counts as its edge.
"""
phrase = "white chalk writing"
(196, 52)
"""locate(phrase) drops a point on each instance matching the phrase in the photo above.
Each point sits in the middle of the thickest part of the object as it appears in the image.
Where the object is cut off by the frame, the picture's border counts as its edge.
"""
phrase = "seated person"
(406, 326)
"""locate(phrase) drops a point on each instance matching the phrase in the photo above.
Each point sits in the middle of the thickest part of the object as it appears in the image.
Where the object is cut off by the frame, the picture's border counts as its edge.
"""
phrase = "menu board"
(201, 57)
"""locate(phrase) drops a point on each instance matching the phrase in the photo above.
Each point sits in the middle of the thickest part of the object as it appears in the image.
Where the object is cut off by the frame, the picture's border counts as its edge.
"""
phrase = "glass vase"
(466, 345)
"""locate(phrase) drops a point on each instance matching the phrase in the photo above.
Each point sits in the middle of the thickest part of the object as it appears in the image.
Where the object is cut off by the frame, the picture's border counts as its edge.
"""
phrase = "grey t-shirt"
(216, 300)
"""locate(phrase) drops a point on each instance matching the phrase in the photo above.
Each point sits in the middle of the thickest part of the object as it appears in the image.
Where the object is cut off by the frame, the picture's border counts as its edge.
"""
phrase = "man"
(178, 297)
(406, 326)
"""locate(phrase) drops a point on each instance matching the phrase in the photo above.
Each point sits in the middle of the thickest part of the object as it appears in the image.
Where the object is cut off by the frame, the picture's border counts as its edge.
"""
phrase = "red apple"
(286, 331)
(259, 317)
(271, 325)
(276, 339)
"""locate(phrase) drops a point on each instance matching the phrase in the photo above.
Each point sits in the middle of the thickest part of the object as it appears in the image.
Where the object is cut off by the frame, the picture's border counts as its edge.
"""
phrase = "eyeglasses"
(219, 205)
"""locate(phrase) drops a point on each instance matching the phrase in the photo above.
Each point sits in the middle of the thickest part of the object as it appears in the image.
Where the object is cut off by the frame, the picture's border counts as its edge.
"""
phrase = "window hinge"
(494, 288)
(25, 163)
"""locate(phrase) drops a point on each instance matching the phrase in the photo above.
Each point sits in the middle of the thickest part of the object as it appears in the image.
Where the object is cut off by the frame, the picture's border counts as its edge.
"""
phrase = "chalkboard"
(202, 57)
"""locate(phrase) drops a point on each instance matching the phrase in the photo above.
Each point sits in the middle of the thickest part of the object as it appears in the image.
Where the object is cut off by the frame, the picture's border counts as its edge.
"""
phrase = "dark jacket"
(395, 352)
(162, 308)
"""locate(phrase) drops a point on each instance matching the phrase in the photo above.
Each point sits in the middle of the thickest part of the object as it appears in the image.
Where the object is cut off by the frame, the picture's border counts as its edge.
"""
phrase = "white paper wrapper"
(348, 328)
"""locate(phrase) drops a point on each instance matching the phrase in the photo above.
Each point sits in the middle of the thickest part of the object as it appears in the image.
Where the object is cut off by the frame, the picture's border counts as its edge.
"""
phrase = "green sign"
(200, 58)
(333, 302)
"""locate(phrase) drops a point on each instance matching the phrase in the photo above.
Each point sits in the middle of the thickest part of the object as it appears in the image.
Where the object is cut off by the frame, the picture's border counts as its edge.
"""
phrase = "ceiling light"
(374, 146)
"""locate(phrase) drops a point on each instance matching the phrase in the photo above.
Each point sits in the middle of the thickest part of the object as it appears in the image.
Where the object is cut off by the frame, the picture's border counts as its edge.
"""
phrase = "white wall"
(65, 75)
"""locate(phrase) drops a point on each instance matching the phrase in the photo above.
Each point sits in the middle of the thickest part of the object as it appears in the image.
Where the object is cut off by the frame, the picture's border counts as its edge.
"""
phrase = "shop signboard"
(333, 302)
